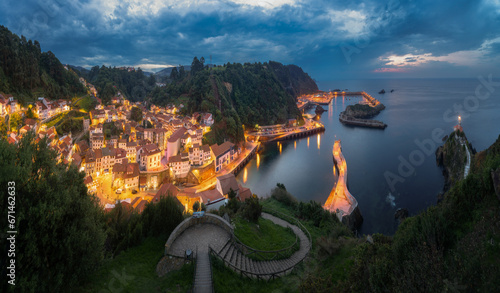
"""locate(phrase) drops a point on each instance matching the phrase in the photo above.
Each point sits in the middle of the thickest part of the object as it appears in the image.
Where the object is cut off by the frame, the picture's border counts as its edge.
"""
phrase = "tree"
(196, 66)
(61, 234)
(3, 130)
(182, 72)
(107, 93)
(15, 121)
(174, 74)
(252, 209)
(30, 113)
(151, 81)
(161, 218)
(233, 203)
(136, 114)
(196, 206)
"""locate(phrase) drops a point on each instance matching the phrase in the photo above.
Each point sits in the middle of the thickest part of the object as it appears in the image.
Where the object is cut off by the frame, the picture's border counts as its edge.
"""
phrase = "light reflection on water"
(414, 109)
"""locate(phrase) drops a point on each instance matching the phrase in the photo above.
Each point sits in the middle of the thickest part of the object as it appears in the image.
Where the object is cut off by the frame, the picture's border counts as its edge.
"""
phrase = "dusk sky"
(328, 39)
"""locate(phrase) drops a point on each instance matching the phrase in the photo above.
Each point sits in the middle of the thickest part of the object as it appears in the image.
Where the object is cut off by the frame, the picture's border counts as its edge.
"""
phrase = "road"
(467, 166)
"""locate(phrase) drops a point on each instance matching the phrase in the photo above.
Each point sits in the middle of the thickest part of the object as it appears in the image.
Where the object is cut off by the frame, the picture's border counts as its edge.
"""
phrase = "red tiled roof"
(87, 180)
(210, 195)
(221, 149)
(244, 193)
(228, 182)
(141, 206)
(166, 189)
(177, 135)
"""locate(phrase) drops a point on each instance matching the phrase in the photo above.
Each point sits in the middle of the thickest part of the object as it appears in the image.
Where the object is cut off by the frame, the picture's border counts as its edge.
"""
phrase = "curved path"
(240, 263)
(202, 238)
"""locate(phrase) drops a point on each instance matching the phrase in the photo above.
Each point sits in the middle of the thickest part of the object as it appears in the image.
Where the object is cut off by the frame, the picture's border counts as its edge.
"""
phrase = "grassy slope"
(263, 236)
(319, 267)
(228, 281)
(138, 264)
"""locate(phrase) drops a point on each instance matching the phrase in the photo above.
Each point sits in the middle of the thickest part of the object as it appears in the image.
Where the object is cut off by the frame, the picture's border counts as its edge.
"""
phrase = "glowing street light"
(459, 120)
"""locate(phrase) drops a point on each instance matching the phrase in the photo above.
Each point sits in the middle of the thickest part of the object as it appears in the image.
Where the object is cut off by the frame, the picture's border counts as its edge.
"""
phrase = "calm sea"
(413, 111)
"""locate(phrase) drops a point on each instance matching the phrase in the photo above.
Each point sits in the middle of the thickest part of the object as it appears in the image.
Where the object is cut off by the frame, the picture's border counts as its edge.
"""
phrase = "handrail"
(248, 273)
(194, 263)
(301, 226)
(211, 272)
(238, 243)
(273, 274)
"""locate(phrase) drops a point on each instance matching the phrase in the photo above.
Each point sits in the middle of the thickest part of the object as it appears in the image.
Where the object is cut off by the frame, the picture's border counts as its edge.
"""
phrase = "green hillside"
(28, 72)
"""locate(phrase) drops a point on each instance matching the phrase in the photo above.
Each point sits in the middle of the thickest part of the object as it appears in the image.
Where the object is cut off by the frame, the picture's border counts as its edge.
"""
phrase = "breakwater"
(341, 201)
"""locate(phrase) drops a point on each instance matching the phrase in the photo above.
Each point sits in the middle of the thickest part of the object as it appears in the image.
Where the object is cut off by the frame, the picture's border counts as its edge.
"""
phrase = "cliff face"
(452, 158)
(293, 79)
(354, 220)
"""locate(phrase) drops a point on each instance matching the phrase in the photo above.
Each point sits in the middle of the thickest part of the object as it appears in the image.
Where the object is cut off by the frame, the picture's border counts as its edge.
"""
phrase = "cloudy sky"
(328, 39)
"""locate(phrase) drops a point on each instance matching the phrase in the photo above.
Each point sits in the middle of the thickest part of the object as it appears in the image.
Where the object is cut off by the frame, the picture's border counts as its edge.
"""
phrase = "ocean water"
(416, 113)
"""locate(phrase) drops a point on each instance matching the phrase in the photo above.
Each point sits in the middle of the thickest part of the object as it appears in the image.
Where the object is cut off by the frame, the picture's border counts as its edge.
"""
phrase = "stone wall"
(202, 173)
(191, 221)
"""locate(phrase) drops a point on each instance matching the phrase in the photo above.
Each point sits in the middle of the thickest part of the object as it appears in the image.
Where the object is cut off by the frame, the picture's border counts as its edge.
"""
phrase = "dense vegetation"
(63, 234)
(363, 111)
(135, 271)
(237, 94)
(27, 72)
(451, 247)
(454, 246)
(328, 261)
(134, 85)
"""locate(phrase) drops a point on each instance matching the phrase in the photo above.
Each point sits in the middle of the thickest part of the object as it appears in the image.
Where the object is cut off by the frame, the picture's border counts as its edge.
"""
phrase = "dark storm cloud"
(328, 39)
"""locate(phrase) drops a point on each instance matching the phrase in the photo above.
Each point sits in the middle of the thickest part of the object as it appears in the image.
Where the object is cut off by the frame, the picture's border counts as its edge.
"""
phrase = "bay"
(415, 109)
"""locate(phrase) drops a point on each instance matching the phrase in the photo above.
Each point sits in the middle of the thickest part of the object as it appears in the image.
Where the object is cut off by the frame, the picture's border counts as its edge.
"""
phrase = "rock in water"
(319, 109)
(401, 214)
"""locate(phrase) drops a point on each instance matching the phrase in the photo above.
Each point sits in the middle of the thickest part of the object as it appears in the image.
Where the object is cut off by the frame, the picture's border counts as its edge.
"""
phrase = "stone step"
(240, 261)
(203, 278)
(232, 259)
(228, 252)
(225, 245)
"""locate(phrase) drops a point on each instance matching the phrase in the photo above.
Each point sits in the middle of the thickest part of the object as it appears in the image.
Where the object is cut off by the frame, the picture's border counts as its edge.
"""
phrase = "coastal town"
(138, 161)
(163, 154)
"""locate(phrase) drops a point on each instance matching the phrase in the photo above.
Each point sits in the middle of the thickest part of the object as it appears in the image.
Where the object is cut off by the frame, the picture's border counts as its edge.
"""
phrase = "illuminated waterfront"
(413, 110)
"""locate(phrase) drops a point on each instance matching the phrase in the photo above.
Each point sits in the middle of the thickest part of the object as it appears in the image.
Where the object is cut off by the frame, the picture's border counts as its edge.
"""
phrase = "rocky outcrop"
(358, 115)
(452, 158)
(401, 214)
(363, 111)
(354, 219)
(349, 120)
(319, 109)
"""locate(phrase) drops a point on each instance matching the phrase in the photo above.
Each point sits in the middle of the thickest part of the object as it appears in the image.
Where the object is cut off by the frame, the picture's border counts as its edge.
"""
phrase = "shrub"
(252, 209)
(280, 194)
(196, 206)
